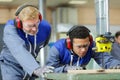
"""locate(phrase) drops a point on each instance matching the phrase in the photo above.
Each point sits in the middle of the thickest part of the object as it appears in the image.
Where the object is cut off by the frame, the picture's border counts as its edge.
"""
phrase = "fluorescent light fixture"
(77, 2)
(6, 0)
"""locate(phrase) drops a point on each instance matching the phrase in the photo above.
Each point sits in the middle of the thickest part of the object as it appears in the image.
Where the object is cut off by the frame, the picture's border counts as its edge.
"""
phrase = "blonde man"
(23, 38)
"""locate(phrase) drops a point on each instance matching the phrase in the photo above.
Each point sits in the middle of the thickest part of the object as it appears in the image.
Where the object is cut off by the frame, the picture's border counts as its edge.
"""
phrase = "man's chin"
(81, 56)
(31, 34)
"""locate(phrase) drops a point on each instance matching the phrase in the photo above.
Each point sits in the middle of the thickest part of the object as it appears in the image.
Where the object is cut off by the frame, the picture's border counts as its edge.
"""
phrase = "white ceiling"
(53, 3)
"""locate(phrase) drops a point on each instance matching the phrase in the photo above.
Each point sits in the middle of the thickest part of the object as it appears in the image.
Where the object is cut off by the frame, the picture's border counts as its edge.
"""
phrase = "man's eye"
(85, 45)
(79, 46)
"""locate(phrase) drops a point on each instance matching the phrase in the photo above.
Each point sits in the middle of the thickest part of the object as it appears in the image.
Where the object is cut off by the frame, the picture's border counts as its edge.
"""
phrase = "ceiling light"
(77, 2)
(6, 0)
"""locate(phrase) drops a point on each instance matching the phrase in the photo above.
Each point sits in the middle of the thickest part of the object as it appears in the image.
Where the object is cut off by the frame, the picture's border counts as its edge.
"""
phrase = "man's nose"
(83, 49)
(34, 28)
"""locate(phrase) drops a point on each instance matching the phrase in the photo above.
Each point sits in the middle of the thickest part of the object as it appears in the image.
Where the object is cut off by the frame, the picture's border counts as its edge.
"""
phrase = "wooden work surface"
(94, 71)
(108, 74)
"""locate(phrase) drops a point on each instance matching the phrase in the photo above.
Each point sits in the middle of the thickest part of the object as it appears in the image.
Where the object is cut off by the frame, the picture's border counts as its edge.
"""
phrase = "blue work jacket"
(60, 56)
(21, 49)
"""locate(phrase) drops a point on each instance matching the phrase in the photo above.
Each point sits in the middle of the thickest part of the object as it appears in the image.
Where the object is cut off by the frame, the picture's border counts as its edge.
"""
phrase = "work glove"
(115, 67)
(43, 70)
(72, 68)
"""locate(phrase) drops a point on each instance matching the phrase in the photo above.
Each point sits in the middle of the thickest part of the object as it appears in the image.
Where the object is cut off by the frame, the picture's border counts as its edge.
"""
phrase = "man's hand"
(115, 67)
(41, 71)
(72, 68)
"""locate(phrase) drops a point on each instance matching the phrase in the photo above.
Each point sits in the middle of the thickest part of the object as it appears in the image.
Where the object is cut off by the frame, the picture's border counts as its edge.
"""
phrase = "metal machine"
(104, 43)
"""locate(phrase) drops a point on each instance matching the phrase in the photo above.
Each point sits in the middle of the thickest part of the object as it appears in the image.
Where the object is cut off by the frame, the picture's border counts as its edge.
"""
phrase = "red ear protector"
(68, 41)
(18, 22)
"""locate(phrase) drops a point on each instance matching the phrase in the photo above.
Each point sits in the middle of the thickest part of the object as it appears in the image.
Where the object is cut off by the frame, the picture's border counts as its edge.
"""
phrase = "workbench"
(85, 75)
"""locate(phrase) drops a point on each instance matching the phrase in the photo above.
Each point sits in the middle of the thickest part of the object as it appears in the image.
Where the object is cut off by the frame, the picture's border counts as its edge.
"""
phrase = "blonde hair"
(29, 13)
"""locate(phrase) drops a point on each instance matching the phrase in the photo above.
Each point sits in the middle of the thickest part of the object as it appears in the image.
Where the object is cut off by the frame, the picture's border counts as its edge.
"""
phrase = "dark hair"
(117, 34)
(78, 31)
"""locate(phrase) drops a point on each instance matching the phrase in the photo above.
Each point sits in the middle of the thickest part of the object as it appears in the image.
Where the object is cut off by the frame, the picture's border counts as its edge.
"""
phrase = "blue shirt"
(60, 56)
(20, 51)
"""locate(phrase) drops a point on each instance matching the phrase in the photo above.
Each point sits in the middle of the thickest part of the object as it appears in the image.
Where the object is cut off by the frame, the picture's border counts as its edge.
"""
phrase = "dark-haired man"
(76, 52)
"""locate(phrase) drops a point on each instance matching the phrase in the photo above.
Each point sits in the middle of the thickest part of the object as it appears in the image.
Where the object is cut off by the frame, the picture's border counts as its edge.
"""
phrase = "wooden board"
(99, 71)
